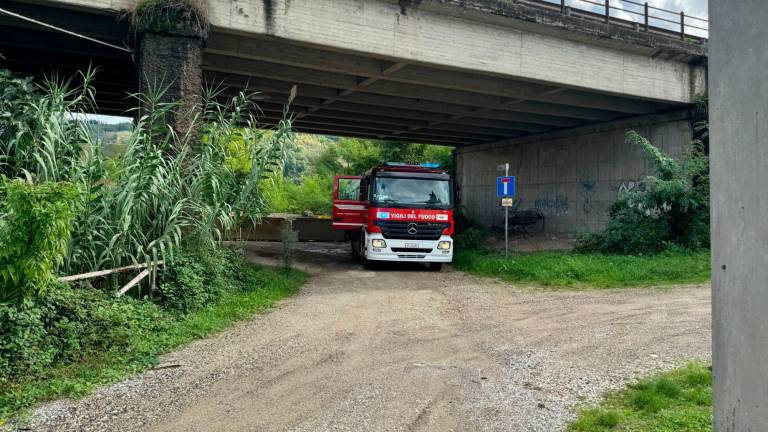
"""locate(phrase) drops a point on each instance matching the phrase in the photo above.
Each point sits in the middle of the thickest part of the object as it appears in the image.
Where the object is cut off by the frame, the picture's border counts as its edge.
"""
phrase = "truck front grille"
(411, 230)
(412, 250)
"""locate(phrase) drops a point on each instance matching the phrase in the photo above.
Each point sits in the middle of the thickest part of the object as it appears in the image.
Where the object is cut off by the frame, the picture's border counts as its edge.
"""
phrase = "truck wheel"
(435, 266)
(355, 243)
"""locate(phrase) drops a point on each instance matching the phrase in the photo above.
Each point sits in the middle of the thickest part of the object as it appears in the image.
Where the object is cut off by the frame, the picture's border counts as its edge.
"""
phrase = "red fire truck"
(397, 212)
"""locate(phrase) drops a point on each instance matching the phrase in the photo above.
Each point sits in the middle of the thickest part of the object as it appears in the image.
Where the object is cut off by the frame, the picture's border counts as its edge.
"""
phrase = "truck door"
(348, 210)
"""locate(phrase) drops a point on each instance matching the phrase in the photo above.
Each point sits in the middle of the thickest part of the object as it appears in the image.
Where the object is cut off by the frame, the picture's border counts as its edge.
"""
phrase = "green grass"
(677, 401)
(162, 331)
(577, 270)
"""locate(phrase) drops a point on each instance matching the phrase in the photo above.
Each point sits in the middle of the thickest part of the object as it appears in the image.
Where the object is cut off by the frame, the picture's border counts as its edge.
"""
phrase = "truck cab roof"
(406, 168)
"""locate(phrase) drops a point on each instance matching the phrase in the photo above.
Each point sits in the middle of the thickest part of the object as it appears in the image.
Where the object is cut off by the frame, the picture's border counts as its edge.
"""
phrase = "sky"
(696, 8)
(107, 119)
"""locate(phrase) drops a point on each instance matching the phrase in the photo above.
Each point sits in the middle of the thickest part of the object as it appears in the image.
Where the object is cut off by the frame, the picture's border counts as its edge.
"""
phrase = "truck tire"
(355, 244)
(435, 266)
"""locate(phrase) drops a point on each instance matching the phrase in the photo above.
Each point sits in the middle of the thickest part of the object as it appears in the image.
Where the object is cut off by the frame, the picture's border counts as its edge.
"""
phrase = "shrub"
(195, 277)
(470, 235)
(471, 239)
(35, 226)
(66, 325)
(183, 285)
(25, 345)
(670, 210)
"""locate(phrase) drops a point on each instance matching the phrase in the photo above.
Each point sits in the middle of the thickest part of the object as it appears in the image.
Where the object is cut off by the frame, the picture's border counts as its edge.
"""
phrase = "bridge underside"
(339, 92)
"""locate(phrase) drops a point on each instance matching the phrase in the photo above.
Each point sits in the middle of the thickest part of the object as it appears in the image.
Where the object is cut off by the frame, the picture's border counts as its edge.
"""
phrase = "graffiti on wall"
(552, 204)
(588, 188)
(628, 186)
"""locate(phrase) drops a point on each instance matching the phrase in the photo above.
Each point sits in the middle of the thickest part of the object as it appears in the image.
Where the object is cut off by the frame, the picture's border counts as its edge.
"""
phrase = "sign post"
(505, 189)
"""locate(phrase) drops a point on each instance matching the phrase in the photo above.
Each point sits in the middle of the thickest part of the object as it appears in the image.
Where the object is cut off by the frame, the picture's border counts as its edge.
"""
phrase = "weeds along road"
(403, 349)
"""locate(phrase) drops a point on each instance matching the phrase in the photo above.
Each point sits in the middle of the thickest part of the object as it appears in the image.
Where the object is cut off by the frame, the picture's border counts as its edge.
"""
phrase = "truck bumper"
(408, 250)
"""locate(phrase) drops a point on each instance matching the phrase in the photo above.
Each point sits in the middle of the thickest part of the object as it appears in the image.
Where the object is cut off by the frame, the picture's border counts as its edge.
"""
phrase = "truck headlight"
(444, 245)
(378, 243)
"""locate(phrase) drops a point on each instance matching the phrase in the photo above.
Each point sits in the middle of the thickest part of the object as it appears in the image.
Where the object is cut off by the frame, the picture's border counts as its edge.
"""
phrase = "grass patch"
(677, 401)
(588, 270)
(137, 333)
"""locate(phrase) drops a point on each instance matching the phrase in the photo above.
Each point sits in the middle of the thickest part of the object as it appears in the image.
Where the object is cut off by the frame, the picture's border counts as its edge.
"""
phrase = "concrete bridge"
(549, 90)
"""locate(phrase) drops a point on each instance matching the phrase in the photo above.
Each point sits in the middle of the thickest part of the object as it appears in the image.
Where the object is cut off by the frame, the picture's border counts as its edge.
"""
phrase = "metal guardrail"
(639, 16)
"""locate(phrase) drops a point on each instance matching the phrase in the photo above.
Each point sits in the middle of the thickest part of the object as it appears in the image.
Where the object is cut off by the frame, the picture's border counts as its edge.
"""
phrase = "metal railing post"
(562, 7)
(607, 11)
(646, 17)
(682, 25)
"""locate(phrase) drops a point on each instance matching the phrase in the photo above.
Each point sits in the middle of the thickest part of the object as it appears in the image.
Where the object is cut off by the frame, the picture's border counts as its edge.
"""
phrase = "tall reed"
(166, 187)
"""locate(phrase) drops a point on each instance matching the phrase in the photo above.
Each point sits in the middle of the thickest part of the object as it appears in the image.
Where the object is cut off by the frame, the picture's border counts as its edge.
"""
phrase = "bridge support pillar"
(739, 176)
(175, 62)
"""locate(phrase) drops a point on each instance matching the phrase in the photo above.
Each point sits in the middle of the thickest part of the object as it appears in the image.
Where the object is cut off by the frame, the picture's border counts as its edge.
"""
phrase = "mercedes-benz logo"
(413, 228)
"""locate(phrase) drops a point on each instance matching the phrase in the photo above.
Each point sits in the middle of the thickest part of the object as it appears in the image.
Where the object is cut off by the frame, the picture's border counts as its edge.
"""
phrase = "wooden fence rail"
(150, 269)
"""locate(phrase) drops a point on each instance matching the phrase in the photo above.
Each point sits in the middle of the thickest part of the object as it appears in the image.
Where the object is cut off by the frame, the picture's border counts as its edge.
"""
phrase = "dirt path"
(403, 349)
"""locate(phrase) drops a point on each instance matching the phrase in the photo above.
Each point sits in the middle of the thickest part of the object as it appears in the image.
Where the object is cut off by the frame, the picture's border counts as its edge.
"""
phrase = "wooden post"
(607, 11)
(682, 25)
(646, 17)
(153, 276)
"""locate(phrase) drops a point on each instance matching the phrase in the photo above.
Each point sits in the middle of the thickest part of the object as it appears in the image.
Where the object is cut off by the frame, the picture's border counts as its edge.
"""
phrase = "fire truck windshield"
(412, 192)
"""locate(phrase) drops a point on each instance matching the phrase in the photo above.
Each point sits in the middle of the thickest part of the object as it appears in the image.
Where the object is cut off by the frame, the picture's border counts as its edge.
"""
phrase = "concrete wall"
(309, 229)
(739, 174)
(572, 176)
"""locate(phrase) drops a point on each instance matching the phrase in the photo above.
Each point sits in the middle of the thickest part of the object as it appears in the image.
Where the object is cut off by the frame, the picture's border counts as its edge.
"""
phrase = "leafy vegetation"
(670, 210)
(594, 270)
(679, 401)
(306, 183)
(71, 340)
(309, 194)
(174, 17)
(34, 230)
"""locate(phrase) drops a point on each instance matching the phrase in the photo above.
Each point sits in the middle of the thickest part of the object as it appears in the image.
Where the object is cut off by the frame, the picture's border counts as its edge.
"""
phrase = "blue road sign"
(505, 186)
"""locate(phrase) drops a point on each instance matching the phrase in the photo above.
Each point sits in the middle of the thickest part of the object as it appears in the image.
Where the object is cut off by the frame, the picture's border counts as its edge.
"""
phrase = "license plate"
(412, 245)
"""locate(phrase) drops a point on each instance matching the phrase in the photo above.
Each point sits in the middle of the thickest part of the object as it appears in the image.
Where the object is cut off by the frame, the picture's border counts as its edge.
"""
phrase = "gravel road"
(403, 349)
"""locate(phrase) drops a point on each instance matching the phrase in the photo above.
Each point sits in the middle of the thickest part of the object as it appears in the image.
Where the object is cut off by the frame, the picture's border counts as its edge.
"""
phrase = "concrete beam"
(359, 133)
(404, 106)
(34, 39)
(389, 130)
(430, 98)
(500, 129)
(414, 77)
(99, 25)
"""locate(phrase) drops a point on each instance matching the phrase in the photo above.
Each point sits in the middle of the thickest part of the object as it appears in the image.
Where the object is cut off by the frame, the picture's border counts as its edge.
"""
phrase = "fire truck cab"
(397, 212)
